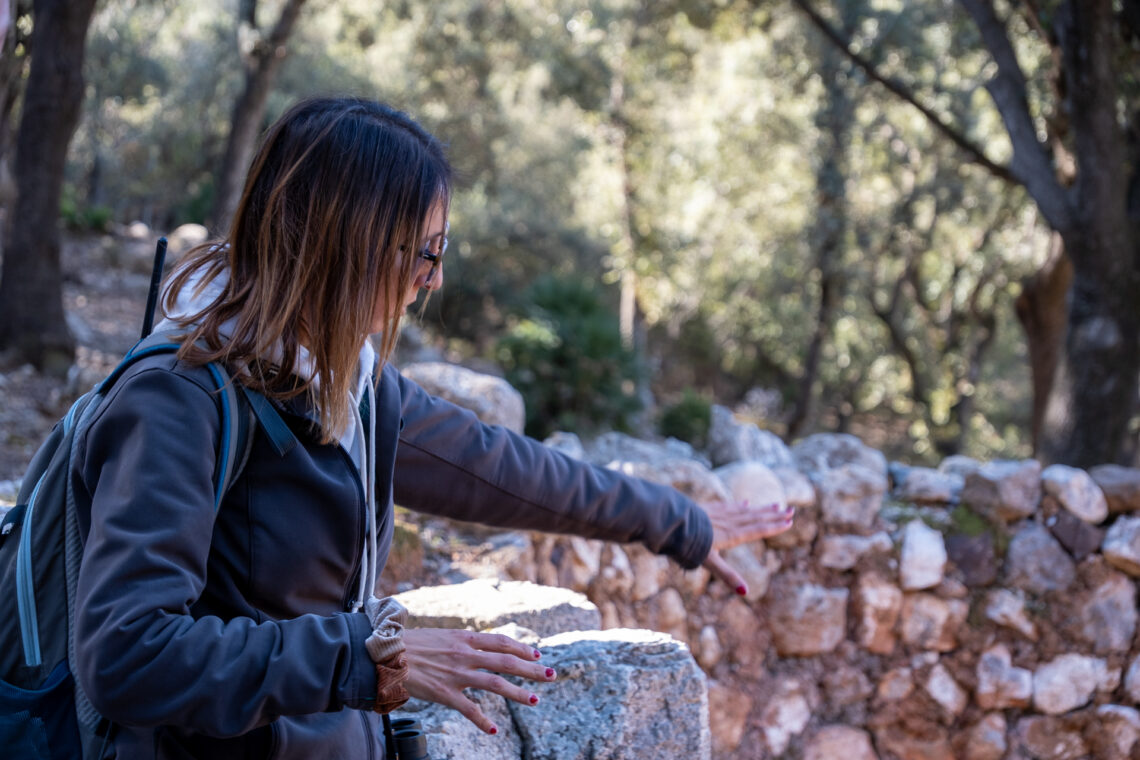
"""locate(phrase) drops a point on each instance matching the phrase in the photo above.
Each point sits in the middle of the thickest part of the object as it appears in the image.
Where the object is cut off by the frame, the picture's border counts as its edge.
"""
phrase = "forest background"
(918, 221)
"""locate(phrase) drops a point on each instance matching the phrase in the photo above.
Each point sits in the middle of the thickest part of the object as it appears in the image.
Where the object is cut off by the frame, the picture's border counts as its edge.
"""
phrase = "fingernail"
(550, 672)
(742, 589)
(534, 699)
(537, 654)
(493, 730)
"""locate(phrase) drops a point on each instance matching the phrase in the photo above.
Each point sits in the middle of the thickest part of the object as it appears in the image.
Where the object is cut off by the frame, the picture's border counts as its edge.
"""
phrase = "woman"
(252, 631)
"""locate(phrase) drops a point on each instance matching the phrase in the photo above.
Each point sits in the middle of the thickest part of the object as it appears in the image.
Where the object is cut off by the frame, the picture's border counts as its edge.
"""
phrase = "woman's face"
(432, 242)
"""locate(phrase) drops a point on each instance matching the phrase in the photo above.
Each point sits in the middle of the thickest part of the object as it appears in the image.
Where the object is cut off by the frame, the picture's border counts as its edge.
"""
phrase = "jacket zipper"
(362, 513)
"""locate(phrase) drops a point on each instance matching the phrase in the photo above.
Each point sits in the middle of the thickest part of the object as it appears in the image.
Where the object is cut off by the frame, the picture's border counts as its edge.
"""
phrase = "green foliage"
(688, 419)
(565, 356)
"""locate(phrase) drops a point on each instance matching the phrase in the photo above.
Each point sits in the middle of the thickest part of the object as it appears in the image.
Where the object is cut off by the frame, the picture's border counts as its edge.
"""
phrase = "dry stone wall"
(975, 611)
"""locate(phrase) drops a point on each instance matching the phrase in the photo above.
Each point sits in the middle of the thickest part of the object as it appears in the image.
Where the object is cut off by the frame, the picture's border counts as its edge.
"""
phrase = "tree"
(32, 319)
(262, 56)
(1071, 154)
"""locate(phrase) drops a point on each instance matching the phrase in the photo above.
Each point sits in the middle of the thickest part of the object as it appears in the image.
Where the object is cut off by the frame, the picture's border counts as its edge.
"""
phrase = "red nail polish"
(534, 699)
(742, 589)
(537, 654)
(550, 672)
(493, 730)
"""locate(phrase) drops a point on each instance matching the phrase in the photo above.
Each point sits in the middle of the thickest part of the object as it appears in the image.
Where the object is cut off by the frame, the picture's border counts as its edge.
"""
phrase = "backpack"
(44, 714)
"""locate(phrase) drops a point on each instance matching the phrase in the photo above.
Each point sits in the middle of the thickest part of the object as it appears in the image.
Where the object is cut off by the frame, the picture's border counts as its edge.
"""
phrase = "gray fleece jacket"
(229, 635)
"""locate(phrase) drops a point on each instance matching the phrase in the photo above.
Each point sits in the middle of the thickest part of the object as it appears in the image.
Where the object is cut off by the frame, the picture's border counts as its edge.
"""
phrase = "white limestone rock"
(1066, 682)
(923, 485)
(752, 482)
(1036, 562)
(733, 441)
(787, 713)
(567, 443)
(878, 604)
(931, 623)
(843, 552)
(944, 690)
(492, 399)
(1075, 490)
(1004, 490)
(922, 562)
(806, 619)
(830, 451)
(1108, 615)
(1007, 608)
(487, 603)
(1120, 485)
(686, 475)
(986, 738)
(1000, 684)
(850, 496)
(846, 742)
(1121, 547)
(798, 489)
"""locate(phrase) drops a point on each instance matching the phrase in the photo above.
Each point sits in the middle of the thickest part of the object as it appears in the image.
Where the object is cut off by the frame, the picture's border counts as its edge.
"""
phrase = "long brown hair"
(325, 231)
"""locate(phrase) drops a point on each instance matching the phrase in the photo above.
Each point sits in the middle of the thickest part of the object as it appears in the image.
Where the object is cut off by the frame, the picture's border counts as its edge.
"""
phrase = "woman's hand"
(736, 523)
(443, 662)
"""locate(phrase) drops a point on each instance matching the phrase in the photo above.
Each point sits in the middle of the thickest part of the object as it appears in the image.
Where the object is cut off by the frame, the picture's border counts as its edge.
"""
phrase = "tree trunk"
(1094, 396)
(1041, 309)
(262, 66)
(31, 295)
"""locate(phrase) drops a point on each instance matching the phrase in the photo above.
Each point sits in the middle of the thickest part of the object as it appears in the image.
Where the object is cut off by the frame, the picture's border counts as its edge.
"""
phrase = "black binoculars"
(406, 740)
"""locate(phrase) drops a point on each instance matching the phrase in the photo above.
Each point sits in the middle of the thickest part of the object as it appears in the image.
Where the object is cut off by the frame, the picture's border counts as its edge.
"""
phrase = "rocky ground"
(105, 291)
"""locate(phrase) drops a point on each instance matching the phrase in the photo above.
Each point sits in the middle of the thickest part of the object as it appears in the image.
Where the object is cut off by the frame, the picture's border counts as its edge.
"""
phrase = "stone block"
(832, 742)
(1004, 490)
(486, 603)
(1046, 738)
(1066, 682)
(1120, 485)
(1076, 491)
(806, 619)
(878, 604)
(843, 552)
(923, 557)
(731, 440)
(929, 622)
(1121, 547)
(1036, 562)
(923, 485)
(850, 496)
(492, 399)
(1001, 685)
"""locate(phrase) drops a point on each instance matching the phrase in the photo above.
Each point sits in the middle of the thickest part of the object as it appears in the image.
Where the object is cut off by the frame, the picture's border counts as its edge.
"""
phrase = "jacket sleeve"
(449, 463)
(142, 658)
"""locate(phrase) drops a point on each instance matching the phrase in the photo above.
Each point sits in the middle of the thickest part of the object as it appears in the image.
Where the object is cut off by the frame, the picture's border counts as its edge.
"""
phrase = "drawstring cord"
(370, 551)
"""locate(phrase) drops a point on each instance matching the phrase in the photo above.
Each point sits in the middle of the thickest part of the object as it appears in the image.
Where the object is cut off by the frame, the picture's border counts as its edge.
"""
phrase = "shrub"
(688, 419)
(564, 354)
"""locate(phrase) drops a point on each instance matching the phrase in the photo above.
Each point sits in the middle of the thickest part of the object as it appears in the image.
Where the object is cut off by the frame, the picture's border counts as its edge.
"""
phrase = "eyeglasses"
(433, 258)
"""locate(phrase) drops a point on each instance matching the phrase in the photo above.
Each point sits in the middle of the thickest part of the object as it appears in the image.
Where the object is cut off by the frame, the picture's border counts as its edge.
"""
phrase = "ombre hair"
(323, 237)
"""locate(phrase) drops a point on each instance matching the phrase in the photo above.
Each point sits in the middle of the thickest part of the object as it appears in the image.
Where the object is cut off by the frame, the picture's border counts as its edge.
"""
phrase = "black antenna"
(155, 281)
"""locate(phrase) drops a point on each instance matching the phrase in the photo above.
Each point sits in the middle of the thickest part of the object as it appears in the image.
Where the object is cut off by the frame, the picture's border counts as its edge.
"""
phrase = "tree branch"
(1031, 163)
(957, 137)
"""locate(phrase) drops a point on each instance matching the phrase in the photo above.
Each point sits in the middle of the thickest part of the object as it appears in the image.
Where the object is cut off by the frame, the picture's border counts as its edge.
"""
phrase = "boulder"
(686, 475)
(1075, 490)
(486, 603)
(620, 694)
(733, 441)
(1066, 682)
(1036, 562)
(923, 485)
(1120, 485)
(1121, 547)
(1107, 614)
(492, 399)
(944, 690)
(929, 622)
(1046, 738)
(1007, 608)
(923, 557)
(752, 482)
(843, 552)
(985, 740)
(878, 604)
(830, 451)
(849, 496)
(786, 714)
(1004, 490)
(840, 741)
(1118, 732)
(806, 619)
(1000, 685)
